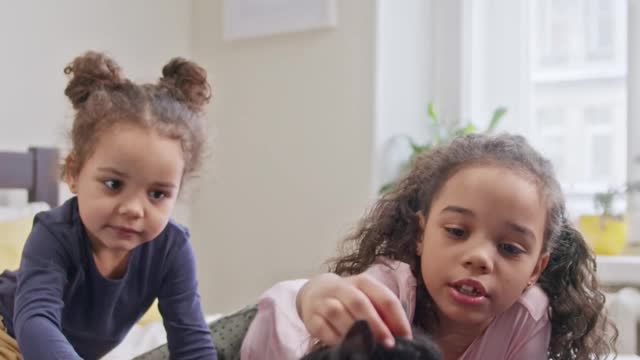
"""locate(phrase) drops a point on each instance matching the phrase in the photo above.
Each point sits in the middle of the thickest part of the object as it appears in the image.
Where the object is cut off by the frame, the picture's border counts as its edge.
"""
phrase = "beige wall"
(290, 170)
(40, 37)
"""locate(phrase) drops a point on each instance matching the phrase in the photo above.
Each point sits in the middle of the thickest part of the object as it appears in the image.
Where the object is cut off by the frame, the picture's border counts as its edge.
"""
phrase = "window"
(558, 66)
(577, 91)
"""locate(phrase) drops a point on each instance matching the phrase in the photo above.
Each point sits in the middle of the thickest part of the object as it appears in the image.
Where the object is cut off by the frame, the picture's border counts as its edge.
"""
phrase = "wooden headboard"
(35, 170)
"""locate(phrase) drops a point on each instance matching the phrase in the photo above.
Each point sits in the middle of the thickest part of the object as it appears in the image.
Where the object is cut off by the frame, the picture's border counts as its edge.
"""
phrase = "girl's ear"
(539, 268)
(422, 220)
(70, 173)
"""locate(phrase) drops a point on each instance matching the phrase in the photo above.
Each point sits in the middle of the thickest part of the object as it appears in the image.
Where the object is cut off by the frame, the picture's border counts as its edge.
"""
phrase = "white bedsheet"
(8, 213)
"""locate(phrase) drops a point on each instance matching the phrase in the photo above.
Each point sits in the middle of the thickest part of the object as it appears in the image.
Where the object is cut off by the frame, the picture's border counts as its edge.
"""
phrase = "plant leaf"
(604, 201)
(436, 125)
(495, 119)
(386, 188)
(415, 147)
(469, 129)
(431, 110)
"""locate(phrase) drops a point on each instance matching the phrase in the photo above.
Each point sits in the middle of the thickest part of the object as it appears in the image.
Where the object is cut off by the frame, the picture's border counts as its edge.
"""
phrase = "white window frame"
(633, 113)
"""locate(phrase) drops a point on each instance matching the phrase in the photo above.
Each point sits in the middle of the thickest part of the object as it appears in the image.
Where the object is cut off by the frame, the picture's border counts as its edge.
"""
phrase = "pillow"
(153, 314)
(28, 210)
(15, 226)
(13, 235)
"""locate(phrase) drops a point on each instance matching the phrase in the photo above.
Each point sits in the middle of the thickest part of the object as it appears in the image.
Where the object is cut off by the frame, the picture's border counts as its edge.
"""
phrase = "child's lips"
(125, 230)
(470, 286)
(465, 298)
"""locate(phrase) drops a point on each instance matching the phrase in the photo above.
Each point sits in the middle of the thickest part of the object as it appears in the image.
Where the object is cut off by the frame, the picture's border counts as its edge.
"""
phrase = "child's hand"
(329, 305)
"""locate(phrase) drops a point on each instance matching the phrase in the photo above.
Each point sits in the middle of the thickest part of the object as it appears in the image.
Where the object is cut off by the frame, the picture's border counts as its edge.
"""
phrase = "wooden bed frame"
(35, 170)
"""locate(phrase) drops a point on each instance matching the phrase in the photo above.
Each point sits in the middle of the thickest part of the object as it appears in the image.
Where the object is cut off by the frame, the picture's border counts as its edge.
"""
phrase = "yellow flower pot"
(606, 234)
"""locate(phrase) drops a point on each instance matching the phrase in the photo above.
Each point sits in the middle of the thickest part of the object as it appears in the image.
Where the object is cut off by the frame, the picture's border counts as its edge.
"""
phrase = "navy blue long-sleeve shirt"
(58, 306)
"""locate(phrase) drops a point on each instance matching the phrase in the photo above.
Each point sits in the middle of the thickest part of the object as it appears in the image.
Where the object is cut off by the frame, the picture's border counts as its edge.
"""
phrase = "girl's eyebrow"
(458, 210)
(522, 230)
(113, 171)
(514, 226)
(166, 185)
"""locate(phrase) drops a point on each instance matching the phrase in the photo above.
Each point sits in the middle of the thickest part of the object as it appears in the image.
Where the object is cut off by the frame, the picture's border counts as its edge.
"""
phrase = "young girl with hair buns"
(94, 265)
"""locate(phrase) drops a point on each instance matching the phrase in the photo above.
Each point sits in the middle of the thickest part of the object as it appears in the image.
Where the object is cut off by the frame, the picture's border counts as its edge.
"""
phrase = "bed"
(35, 170)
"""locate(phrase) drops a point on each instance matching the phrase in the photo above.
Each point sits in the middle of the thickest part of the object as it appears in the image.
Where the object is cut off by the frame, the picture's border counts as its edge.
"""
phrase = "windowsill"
(621, 270)
(625, 357)
(586, 73)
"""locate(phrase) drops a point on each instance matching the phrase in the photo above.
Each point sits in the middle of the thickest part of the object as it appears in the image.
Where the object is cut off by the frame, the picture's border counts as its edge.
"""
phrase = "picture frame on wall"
(244, 19)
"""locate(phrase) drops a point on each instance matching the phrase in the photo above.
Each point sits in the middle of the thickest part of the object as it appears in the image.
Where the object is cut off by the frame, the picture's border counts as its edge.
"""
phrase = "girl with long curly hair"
(474, 247)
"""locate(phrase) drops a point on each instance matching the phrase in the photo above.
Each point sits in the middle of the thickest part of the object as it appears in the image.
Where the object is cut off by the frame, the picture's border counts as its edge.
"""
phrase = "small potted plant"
(441, 133)
(606, 231)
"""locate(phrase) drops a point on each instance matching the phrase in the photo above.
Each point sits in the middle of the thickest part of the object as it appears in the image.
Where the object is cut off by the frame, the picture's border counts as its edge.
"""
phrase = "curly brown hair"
(102, 97)
(580, 328)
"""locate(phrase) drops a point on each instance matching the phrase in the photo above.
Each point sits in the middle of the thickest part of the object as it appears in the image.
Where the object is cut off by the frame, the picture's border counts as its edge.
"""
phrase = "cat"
(359, 344)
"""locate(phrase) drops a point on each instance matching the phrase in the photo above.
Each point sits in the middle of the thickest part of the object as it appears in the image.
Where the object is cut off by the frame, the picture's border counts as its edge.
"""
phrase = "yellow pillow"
(13, 235)
(153, 314)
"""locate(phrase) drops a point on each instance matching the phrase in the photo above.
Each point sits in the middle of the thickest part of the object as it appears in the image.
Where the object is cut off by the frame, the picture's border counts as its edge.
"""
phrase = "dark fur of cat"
(359, 344)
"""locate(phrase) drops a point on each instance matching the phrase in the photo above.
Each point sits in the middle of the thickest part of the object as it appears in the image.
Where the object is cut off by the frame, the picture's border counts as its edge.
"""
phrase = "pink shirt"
(277, 332)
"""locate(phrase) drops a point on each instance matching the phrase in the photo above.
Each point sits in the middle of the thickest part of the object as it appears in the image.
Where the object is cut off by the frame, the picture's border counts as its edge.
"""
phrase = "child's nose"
(479, 259)
(132, 207)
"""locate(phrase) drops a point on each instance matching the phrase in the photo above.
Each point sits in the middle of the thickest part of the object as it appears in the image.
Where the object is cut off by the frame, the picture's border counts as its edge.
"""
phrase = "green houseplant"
(606, 231)
(441, 133)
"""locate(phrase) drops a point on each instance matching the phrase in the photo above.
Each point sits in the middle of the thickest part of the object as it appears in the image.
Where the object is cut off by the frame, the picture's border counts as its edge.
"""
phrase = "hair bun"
(89, 72)
(187, 82)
